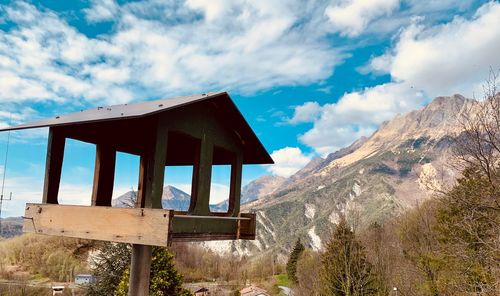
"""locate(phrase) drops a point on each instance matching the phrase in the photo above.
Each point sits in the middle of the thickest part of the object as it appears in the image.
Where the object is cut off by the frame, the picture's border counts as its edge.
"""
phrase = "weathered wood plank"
(104, 175)
(137, 226)
(53, 166)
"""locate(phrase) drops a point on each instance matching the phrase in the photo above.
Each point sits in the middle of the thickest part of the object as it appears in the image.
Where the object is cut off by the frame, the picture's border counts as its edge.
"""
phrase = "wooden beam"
(125, 225)
(53, 165)
(141, 193)
(235, 187)
(140, 270)
(202, 173)
(104, 175)
(203, 228)
(152, 170)
(151, 178)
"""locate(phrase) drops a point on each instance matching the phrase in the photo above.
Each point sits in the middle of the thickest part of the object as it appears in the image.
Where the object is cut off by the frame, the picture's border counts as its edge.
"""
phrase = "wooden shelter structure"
(200, 130)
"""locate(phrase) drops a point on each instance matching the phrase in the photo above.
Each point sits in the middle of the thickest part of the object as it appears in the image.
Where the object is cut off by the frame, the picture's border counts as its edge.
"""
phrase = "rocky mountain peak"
(432, 122)
(171, 192)
(375, 178)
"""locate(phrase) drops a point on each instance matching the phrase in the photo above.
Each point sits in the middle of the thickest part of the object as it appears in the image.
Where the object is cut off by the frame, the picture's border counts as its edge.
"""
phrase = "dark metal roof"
(124, 111)
(146, 108)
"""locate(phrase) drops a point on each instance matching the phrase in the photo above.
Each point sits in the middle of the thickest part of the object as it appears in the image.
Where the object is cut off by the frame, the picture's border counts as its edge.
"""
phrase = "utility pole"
(3, 182)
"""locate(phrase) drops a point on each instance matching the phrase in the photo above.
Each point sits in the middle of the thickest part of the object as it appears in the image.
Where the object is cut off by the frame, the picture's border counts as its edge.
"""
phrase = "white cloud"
(425, 62)
(288, 161)
(161, 49)
(448, 58)
(218, 193)
(29, 190)
(101, 10)
(358, 114)
(352, 17)
(306, 112)
(212, 8)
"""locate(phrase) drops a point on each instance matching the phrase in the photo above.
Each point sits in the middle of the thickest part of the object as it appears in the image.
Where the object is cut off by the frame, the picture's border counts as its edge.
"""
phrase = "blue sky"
(309, 76)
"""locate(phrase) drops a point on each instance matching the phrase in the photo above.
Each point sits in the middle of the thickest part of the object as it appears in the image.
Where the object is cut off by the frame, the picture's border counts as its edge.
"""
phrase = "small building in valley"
(83, 279)
(253, 291)
(202, 292)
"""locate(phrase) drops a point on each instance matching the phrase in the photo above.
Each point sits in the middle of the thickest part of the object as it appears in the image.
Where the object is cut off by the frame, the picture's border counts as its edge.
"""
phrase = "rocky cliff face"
(373, 179)
(260, 187)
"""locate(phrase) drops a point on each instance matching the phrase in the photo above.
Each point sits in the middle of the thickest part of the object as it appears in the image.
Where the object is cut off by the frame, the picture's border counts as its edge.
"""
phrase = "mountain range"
(11, 226)
(172, 198)
(175, 198)
(373, 179)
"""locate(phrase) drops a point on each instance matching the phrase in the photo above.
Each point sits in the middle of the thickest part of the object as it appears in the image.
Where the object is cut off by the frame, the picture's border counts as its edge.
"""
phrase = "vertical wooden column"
(202, 174)
(104, 175)
(140, 269)
(53, 165)
(235, 187)
(150, 190)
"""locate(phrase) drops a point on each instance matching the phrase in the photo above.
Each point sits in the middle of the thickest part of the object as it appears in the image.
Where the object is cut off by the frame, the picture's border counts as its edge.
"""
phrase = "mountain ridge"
(375, 178)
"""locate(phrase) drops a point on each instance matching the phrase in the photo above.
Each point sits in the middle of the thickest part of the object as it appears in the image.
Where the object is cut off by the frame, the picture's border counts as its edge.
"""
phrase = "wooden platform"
(143, 226)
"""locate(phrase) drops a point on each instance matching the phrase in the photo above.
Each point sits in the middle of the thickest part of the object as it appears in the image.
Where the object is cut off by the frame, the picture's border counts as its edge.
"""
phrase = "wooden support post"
(235, 189)
(104, 175)
(202, 173)
(151, 174)
(53, 165)
(141, 193)
(140, 270)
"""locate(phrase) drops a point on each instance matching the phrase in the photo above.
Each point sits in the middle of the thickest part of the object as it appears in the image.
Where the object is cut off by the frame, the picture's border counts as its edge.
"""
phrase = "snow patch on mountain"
(427, 179)
(356, 188)
(315, 239)
(310, 210)
(334, 218)
(219, 247)
(265, 222)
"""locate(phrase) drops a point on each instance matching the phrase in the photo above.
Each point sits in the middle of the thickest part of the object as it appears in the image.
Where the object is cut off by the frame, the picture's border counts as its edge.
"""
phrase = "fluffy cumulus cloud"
(288, 161)
(353, 16)
(306, 112)
(158, 48)
(358, 114)
(102, 10)
(448, 58)
(425, 62)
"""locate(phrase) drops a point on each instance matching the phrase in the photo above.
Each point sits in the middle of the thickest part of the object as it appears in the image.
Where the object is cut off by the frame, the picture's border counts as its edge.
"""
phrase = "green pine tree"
(109, 264)
(164, 278)
(111, 267)
(291, 265)
(345, 270)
